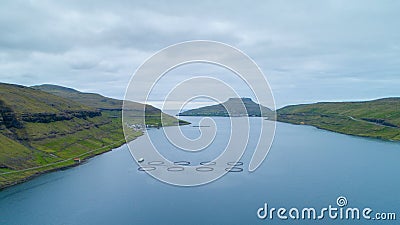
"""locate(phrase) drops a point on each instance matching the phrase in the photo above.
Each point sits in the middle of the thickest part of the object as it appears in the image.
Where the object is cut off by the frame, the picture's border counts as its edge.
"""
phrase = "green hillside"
(40, 132)
(378, 118)
(90, 99)
(27, 100)
(134, 111)
(234, 106)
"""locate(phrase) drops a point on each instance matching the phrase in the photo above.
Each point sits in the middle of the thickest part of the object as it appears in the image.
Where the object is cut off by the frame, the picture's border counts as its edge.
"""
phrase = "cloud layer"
(309, 50)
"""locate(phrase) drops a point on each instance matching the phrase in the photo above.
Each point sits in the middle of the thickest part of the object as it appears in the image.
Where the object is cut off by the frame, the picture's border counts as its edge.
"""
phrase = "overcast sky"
(308, 50)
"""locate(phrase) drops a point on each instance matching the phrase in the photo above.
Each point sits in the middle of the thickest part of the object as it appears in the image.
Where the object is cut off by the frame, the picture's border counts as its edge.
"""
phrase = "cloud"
(325, 46)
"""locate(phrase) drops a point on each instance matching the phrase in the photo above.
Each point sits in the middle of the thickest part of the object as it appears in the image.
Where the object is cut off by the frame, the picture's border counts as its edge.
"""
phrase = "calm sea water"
(306, 167)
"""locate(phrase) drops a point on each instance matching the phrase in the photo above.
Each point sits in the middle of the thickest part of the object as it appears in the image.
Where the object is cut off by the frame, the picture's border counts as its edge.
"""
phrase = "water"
(306, 167)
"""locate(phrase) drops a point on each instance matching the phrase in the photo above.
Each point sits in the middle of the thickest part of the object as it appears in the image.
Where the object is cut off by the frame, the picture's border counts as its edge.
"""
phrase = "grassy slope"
(104, 103)
(51, 145)
(89, 99)
(27, 100)
(377, 119)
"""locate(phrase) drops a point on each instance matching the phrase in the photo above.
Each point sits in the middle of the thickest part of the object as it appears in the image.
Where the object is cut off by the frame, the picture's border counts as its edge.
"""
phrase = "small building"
(77, 160)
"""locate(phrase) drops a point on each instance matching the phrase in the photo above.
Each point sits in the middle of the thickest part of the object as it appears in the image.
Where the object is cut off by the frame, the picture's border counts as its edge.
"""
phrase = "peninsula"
(378, 118)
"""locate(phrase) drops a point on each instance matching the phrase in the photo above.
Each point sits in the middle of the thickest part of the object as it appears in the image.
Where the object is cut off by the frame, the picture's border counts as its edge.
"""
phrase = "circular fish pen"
(204, 169)
(234, 163)
(182, 163)
(208, 163)
(147, 168)
(234, 169)
(156, 163)
(176, 168)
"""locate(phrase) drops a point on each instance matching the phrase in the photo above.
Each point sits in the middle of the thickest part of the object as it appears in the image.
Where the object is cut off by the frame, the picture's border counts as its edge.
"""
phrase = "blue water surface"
(306, 167)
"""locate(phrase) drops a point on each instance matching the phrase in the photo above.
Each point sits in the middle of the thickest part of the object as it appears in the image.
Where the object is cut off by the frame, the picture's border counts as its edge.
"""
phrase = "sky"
(309, 51)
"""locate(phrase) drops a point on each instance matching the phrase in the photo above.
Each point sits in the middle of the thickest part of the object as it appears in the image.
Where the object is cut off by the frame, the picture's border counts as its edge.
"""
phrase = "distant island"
(48, 127)
(235, 106)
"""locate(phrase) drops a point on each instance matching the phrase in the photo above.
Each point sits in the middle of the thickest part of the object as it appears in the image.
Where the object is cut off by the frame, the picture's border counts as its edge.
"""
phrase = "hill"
(41, 132)
(89, 99)
(377, 118)
(103, 104)
(233, 105)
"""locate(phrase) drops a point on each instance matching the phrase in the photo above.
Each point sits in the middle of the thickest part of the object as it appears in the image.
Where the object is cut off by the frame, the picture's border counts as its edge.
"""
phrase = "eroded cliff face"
(8, 118)
(52, 117)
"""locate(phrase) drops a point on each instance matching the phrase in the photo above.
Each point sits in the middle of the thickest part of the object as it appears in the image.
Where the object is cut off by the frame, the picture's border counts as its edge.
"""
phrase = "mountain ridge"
(232, 107)
(91, 99)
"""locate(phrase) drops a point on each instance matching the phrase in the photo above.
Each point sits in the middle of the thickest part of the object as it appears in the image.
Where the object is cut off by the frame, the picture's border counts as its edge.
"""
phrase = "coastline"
(299, 122)
(123, 142)
(340, 132)
(337, 132)
(72, 164)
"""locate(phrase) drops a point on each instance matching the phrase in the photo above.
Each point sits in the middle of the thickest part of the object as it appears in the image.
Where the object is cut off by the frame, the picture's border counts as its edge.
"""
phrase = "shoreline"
(337, 132)
(84, 160)
(111, 147)
(39, 173)
(318, 127)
